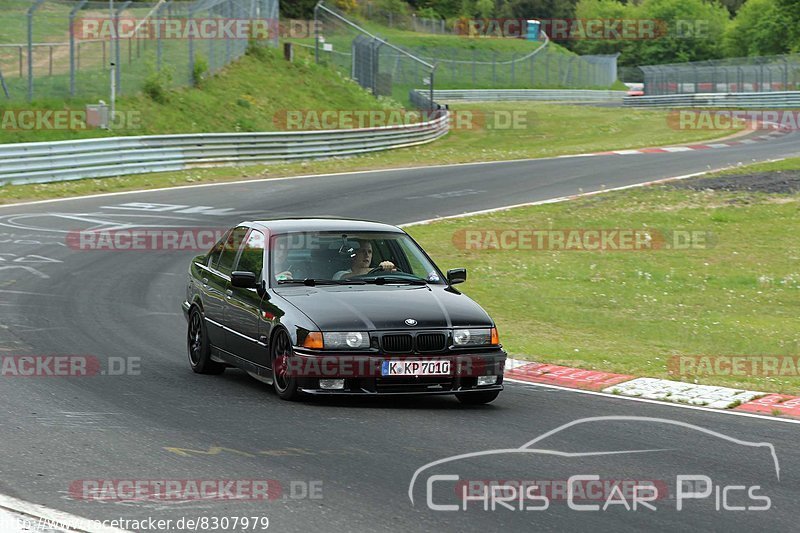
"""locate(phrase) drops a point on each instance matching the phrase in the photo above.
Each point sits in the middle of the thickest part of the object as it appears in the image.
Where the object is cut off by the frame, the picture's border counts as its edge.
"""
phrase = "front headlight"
(475, 337)
(350, 340)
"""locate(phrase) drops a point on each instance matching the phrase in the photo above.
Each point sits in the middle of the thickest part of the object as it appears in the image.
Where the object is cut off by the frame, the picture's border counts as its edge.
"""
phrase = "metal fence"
(377, 65)
(95, 158)
(734, 75)
(485, 67)
(773, 100)
(65, 48)
(395, 70)
(544, 67)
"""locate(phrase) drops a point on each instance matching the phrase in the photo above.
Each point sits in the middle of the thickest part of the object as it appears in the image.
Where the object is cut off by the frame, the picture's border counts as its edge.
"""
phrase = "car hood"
(385, 307)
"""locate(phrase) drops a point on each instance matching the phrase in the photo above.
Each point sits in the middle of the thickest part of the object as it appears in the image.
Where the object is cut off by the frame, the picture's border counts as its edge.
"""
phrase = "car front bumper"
(185, 306)
(362, 374)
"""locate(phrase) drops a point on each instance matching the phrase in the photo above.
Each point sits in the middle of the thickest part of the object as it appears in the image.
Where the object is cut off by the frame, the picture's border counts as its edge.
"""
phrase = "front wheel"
(477, 398)
(199, 347)
(285, 385)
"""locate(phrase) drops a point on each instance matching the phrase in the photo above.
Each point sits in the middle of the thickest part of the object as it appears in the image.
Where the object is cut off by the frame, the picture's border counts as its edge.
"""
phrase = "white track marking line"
(562, 198)
(656, 402)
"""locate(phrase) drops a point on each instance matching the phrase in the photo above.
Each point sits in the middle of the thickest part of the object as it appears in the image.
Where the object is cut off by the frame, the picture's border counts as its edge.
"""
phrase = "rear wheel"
(477, 398)
(281, 350)
(199, 347)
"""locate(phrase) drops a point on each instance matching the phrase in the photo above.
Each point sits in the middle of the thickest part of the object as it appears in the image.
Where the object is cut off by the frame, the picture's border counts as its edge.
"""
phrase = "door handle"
(229, 293)
(205, 282)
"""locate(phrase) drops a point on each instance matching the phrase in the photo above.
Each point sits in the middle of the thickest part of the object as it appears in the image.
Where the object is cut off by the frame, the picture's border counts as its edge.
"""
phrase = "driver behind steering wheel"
(362, 261)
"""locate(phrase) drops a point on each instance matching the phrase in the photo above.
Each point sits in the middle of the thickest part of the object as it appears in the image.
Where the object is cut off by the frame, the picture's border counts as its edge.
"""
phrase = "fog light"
(332, 384)
(486, 380)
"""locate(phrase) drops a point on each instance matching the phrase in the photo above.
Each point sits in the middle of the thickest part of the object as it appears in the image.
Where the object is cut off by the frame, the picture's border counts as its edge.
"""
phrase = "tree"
(346, 5)
(607, 10)
(760, 28)
(694, 31)
(484, 8)
(544, 9)
(790, 9)
(298, 9)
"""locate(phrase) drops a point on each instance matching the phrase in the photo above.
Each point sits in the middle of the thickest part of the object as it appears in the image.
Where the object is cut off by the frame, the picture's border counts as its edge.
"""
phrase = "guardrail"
(772, 100)
(42, 162)
(549, 95)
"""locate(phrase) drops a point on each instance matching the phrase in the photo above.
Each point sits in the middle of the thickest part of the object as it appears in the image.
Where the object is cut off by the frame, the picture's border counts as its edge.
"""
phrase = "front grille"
(431, 342)
(397, 343)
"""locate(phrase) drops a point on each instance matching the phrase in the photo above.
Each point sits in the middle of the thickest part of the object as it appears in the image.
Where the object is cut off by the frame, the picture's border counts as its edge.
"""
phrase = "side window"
(216, 251)
(232, 245)
(252, 258)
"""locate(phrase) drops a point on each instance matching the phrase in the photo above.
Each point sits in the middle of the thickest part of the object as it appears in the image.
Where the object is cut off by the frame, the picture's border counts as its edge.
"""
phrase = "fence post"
(117, 53)
(227, 39)
(513, 63)
(3, 84)
(494, 69)
(546, 68)
(36, 4)
(316, 33)
(474, 59)
(191, 48)
(211, 51)
(72, 14)
(533, 65)
(433, 72)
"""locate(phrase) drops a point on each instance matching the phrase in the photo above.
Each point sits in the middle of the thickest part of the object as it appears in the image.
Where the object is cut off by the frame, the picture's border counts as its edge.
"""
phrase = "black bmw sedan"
(336, 307)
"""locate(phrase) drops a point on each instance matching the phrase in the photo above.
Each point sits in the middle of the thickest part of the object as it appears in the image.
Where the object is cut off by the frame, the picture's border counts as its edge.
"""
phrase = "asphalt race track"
(360, 456)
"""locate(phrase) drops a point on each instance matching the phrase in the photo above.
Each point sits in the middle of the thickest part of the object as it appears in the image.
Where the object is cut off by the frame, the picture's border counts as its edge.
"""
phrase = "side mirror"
(245, 280)
(456, 275)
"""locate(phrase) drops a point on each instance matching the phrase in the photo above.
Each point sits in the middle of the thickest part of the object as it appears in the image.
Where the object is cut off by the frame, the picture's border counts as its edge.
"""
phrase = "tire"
(477, 398)
(198, 346)
(280, 351)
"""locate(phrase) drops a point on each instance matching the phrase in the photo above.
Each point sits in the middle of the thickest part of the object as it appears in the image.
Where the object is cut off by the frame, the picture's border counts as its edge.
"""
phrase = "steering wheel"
(380, 269)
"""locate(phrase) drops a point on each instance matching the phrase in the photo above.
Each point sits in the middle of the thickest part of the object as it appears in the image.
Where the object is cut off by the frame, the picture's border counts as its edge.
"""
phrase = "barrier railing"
(42, 162)
(774, 100)
(557, 95)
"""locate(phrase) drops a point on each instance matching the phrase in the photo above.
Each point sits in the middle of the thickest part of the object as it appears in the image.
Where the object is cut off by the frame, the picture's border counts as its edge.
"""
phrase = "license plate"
(431, 367)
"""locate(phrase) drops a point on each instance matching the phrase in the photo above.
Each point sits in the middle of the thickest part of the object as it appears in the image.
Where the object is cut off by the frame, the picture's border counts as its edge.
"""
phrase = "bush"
(199, 70)
(258, 51)
(157, 82)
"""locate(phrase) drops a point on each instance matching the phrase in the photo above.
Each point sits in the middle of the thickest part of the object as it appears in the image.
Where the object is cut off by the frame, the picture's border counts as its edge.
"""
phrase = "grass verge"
(632, 312)
(543, 130)
(247, 95)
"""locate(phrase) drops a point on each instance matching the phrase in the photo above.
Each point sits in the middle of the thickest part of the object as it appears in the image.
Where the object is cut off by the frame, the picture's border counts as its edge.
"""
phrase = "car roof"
(285, 225)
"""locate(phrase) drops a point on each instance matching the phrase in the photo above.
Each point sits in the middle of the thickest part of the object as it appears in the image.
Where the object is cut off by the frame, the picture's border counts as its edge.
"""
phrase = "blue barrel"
(532, 33)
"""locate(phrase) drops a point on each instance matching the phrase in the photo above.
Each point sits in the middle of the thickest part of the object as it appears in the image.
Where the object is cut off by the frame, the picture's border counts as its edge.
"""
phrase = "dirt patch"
(783, 182)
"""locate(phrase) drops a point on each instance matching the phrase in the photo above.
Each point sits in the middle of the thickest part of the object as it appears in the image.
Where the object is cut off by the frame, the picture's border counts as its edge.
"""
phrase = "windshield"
(341, 258)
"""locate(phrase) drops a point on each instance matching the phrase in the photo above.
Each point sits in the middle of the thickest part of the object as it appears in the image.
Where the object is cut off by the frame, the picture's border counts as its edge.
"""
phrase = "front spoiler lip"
(492, 351)
(363, 392)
